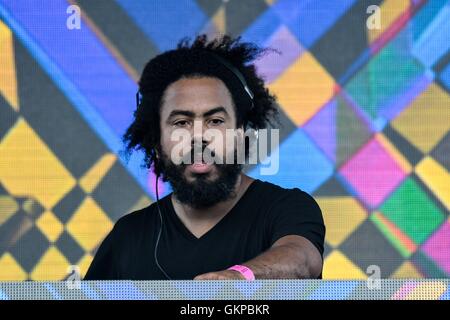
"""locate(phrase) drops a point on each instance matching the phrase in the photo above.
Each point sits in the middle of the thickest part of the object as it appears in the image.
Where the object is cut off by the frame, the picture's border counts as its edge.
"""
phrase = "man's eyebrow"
(191, 114)
(181, 113)
(215, 110)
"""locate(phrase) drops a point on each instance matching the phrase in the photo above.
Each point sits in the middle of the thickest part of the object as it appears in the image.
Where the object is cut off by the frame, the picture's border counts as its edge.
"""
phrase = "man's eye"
(181, 123)
(216, 122)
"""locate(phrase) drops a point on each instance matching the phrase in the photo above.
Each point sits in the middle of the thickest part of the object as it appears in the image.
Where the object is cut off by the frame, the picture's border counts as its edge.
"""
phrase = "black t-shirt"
(264, 214)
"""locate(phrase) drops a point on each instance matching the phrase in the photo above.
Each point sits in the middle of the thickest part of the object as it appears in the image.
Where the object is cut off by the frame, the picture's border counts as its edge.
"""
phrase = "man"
(218, 223)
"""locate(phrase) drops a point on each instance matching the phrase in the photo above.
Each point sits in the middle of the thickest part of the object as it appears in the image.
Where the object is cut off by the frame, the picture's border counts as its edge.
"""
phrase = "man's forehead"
(203, 87)
(198, 95)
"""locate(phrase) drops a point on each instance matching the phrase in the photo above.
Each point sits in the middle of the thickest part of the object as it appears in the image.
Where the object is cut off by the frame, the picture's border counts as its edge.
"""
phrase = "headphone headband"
(237, 73)
(230, 67)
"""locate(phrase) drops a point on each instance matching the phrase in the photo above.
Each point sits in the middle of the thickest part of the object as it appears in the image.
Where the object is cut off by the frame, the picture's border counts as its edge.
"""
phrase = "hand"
(221, 275)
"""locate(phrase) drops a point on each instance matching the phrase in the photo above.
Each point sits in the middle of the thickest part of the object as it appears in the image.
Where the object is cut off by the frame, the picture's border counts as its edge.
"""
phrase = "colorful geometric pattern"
(365, 115)
(386, 289)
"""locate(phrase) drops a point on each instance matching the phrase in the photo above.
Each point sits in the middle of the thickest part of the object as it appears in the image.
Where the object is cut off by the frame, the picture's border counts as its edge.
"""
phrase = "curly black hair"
(191, 60)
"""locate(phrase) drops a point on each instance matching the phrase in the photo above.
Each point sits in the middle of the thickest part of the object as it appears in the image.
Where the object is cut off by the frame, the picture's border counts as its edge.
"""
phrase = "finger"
(206, 276)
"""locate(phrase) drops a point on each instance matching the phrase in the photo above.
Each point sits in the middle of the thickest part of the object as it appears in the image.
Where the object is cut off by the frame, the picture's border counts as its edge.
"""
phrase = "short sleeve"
(103, 266)
(296, 213)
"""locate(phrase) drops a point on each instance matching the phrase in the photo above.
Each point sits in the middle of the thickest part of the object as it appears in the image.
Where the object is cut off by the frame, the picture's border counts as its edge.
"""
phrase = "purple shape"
(322, 129)
(273, 64)
(372, 173)
(437, 247)
(81, 57)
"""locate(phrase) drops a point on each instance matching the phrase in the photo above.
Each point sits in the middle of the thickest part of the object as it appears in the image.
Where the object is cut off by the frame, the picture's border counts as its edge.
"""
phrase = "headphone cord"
(160, 231)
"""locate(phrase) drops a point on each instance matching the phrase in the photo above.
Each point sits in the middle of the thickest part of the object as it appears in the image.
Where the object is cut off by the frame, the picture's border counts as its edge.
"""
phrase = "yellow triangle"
(338, 267)
(89, 224)
(426, 291)
(219, 20)
(52, 266)
(50, 226)
(143, 202)
(407, 271)
(93, 177)
(436, 177)
(10, 270)
(8, 207)
(28, 167)
(84, 264)
(8, 81)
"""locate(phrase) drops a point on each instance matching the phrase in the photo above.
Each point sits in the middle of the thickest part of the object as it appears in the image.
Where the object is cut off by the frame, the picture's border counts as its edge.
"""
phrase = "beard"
(202, 192)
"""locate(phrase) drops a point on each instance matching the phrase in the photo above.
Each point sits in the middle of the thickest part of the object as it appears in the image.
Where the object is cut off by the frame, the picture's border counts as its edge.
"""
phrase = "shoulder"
(135, 220)
(278, 195)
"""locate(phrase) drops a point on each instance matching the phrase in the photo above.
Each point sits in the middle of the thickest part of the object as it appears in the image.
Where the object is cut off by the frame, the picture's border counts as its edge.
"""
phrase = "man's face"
(192, 104)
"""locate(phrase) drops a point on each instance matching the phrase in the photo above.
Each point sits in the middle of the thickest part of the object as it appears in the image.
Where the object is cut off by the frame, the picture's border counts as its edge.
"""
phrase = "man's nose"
(199, 142)
(198, 133)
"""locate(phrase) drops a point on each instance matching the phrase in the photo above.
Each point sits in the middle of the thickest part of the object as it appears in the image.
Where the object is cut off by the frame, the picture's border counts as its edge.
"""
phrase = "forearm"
(291, 257)
(281, 262)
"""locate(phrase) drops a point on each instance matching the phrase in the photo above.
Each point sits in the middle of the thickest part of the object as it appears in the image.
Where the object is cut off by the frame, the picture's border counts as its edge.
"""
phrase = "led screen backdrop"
(365, 115)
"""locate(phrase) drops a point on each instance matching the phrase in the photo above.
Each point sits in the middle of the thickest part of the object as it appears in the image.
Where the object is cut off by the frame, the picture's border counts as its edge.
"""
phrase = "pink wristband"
(245, 271)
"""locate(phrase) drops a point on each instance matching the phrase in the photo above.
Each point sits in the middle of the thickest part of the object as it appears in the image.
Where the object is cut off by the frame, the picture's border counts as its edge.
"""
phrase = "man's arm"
(290, 257)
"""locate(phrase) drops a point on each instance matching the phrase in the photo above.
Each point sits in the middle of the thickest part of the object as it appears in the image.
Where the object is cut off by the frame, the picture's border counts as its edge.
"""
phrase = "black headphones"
(230, 67)
(241, 79)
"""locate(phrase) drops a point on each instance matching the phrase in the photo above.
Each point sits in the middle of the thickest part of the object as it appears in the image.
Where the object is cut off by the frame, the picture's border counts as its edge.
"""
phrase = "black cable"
(160, 231)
